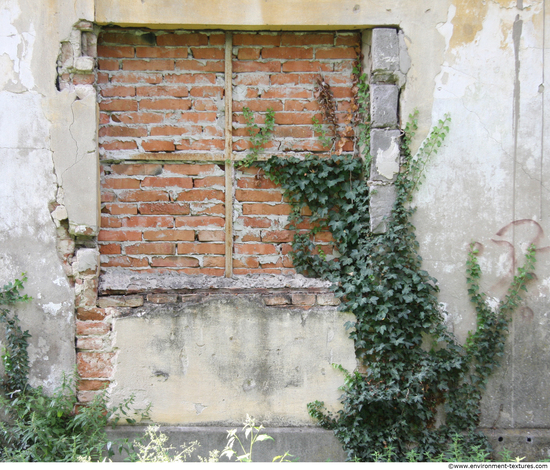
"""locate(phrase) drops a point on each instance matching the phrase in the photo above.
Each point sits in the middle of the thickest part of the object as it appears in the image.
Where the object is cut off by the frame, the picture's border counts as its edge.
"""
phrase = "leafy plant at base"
(37, 427)
(411, 369)
(15, 357)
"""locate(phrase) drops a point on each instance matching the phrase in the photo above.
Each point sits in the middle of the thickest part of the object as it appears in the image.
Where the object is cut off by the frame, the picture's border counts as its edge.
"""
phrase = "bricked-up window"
(162, 133)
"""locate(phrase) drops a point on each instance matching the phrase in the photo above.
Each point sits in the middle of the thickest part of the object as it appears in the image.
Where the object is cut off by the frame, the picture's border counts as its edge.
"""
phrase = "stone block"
(385, 154)
(382, 199)
(385, 55)
(87, 261)
(327, 300)
(121, 301)
(384, 99)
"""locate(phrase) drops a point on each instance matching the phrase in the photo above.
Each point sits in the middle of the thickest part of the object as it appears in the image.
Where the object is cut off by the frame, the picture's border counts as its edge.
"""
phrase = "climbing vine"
(416, 388)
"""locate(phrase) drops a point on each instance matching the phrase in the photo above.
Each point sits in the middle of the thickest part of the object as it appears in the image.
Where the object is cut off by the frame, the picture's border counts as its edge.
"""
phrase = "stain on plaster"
(467, 21)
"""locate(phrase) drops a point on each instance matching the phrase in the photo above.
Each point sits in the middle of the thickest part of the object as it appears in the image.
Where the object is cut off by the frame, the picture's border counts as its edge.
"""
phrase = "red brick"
(110, 249)
(353, 39)
(162, 182)
(119, 235)
(194, 169)
(120, 183)
(136, 169)
(246, 262)
(208, 52)
(186, 39)
(129, 77)
(125, 262)
(324, 237)
(122, 131)
(108, 64)
(158, 146)
(118, 105)
(208, 208)
(107, 196)
(174, 261)
(121, 91)
(300, 105)
(296, 132)
(248, 53)
(198, 117)
(174, 208)
(93, 384)
(151, 249)
(201, 248)
(266, 209)
(249, 238)
(287, 53)
(115, 51)
(195, 78)
(202, 195)
(303, 66)
(200, 66)
(258, 195)
(84, 79)
(207, 91)
(211, 236)
(110, 222)
(307, 39)
(256, 39)
(203, 144)
(176, 130)
(257, 183)
(165, 104)
(157, 90)
(169, 235)
(280, 299)
(289, 118)
(138, 118)
(118, 209)
(90, 313)
(199, 221)
(287, 92)
(133, 37)
(94, 364)
(277, 236)
(252, 79)
(336, 53)
(145, 64)
(161, 52)
(255, 249)
(148, 221)
(87, 328)
(214, 261)
(143, 196)
(255, 222)
(217, 39)
(209, 181)
(342, 92)
(259, 105)
(255, 66)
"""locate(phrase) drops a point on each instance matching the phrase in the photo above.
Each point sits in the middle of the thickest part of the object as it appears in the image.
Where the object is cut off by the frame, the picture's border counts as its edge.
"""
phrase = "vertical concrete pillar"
(384, 93)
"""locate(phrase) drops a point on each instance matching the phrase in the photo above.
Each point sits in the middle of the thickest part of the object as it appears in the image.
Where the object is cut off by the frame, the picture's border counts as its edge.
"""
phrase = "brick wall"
(161, 97)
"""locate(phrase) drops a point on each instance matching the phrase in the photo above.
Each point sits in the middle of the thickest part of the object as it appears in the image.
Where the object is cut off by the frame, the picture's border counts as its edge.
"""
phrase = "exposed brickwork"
(160, 92)
(164, 92)
(163, 217)
(278, 71)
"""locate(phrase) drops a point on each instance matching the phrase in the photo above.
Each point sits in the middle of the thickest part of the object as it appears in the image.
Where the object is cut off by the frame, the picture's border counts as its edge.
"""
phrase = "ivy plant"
(416, 388)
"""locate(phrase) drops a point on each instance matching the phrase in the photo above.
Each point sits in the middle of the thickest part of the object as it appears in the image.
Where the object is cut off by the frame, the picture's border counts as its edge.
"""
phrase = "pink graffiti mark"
(534, 236)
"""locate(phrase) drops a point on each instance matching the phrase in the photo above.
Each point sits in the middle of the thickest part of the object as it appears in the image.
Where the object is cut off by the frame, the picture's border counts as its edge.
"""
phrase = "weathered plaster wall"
(30, 109)
(484, 62)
